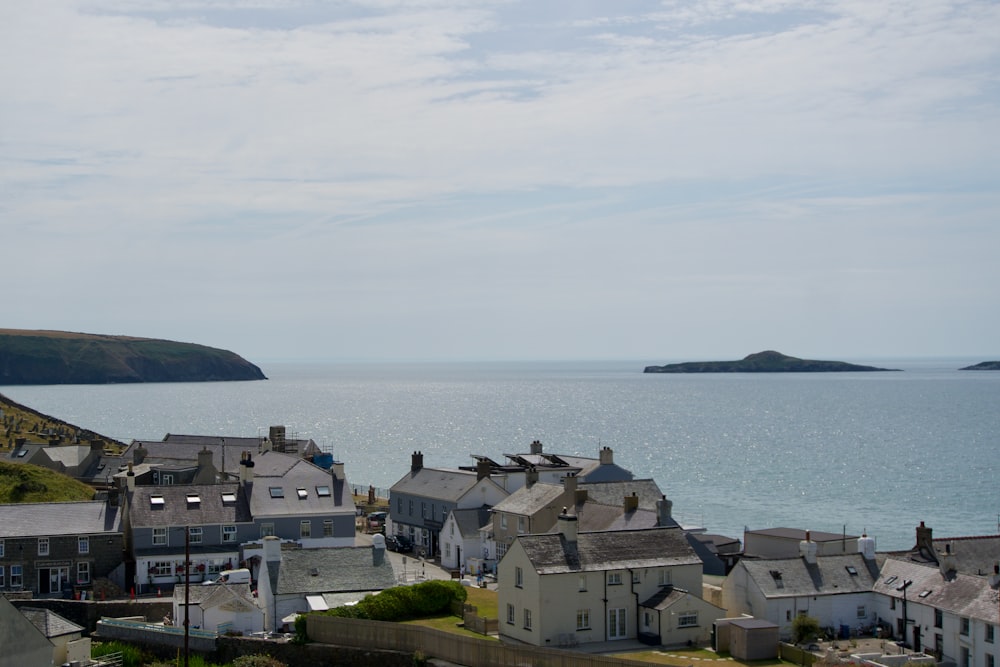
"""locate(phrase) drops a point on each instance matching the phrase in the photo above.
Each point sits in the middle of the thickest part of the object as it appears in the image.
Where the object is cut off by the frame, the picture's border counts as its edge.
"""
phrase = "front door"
(51, 579)
(616, 624)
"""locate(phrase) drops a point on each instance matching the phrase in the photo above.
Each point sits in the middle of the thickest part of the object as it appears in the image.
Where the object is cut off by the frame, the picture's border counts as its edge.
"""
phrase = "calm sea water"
(841, 451)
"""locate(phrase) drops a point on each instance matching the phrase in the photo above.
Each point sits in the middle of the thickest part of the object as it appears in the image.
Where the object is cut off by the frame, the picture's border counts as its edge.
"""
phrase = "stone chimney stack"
(482, 469)
(130, 479)
(664, 512)
(536, 447)
(272, 549)
(995, 577)
(139, 454)
(568, 526)
(925, 541)
(416, 462)
(530, 476)
(378, 549)
(206, 474)
(948, 564)
(607, 456)
(246, 467)
(631, 503)
(569, 484)
(337, 471)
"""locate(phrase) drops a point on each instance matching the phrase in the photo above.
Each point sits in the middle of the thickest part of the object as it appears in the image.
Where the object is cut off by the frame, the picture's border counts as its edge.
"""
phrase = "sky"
(503, 179)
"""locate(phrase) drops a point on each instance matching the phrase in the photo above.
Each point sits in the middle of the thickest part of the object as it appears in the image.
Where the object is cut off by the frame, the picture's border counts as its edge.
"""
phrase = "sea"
(853, 453)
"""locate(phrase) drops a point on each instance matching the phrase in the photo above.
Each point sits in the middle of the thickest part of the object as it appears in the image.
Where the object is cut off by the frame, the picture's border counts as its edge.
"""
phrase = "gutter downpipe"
(631, 579)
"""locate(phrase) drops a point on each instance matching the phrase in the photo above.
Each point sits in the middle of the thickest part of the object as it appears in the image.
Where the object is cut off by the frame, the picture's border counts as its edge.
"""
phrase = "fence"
(447, 646)
(476, 623)
(154, 633)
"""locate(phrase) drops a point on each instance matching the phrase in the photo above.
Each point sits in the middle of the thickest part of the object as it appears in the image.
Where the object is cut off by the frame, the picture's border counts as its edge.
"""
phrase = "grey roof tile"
(341, 569)
(50, 623)
(70, 518)
(785, 577)
(439, 483)
(552, 553)
(175, 510)
(961, 594)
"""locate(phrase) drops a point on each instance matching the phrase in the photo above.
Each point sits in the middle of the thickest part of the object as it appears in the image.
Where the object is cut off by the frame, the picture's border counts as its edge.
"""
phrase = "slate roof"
(175, 510)
(50, 623)
(469, 521)
(665, 598)
(961, 594)
(438, 483)
(217, 595)
(975, 555)
(50, 519)
(333, 570)
(275, 470)
(529, 500)
(183, 455)
(830, 575)
(614, 492)
(798, 534)
(602, 551)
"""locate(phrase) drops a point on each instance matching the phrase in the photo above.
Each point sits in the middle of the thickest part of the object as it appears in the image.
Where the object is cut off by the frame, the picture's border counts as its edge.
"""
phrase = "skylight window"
(851, 570)
(193, 498)
(322, 491)
(303, 494)
(276, 492)
(156, 500)
(228, 498)
(924, 594)
(891, 579)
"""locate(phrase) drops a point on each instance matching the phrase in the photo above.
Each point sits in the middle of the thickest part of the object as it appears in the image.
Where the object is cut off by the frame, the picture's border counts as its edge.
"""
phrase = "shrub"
(257, 661)
(132, 656)
(401, 603)
(804, 628)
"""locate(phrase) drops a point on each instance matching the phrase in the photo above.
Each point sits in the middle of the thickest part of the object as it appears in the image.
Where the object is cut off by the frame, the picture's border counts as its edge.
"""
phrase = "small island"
(983, 366)
(768, 361)
(30, 357)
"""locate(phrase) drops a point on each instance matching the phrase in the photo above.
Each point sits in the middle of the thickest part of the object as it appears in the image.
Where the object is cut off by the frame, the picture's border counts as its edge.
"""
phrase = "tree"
(804, 628)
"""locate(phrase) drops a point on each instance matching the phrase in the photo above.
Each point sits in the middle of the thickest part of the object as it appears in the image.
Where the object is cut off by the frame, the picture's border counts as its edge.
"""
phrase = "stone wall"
(86, 613)
(230, 648)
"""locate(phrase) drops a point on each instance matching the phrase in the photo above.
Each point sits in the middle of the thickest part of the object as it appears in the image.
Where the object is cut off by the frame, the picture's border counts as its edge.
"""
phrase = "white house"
(463, 542)
(835, 590)
(938, 610)
(569, 588)
(219, 608)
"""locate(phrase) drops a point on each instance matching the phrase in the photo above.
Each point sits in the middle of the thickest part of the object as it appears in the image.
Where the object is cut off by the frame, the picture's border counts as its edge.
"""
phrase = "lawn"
(697, 658)
(485, 602)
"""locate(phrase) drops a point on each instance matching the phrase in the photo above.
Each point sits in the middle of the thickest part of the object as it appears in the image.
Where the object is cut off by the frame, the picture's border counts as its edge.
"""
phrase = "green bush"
(804, 628)
(132, 656)
(257, 661)
(401, 603)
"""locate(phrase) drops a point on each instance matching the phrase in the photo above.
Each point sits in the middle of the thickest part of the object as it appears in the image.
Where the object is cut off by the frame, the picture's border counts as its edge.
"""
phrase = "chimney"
(130, 479)
(866, 547)
(581, 496)
(607, 456)
(416, 461)
(139, 454)
(569, 484)
(482, 469)
(246, 467)
(97, 445)
(631, 503)
(337, 471)
(378, 549)
(276, 438)
(536, 447)
(664, 510)
(530, 476)
(207, 474)
(272, 549)
(925, 542)
(995, 577)
(568, 526)
(948, 564)
(808, 549)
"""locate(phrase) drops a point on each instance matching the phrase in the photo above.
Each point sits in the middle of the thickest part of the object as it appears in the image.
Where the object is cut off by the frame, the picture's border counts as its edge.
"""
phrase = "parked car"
(400, 543)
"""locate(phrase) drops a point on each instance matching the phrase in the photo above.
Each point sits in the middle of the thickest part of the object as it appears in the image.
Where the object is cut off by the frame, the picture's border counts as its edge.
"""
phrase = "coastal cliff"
(58, 357)
(983, 366)
(768, 361)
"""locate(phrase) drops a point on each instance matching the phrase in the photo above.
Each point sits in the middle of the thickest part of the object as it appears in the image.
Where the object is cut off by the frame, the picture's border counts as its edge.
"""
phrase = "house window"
(433, 511)
(83, 572)
(2, 579)
(510, 614)
(267, 530)
(938, 618)
(990, 630)
(399, 504)
(518, 577)
(520, 524)
(583, 582)
(228, 498)
(892, 603)
(1, 548)
(989, 660)
(327, 528)
(276, 491)
(451, 529)
(447, 549)
(444, 514)
(663, 577)
(305, 529)
(194, 534)
(582, 619)
(527, 619)
(16, 576)
(862, 611)
(688, 620)
(503, 521)
(614, 578)
(43, 546)
(501, 550)
(411, 508)
(167, 480)
(83, 545)
(159, 536)
(228, 534)
(964, 627)
(636, 577)
(423, 510)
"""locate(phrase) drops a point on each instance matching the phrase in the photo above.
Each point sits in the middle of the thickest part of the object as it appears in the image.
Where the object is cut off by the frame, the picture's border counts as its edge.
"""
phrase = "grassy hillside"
(20, 421)
(21, 483)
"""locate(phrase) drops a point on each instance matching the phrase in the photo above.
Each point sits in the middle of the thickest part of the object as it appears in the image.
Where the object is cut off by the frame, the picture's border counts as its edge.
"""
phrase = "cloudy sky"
(504, 179)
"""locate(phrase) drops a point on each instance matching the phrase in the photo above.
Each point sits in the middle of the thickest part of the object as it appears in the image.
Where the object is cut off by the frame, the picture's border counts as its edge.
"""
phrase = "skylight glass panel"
(193, 498)
(323, 491)
(228, 498)
(156, 500)
(276, 492)
(303, 494)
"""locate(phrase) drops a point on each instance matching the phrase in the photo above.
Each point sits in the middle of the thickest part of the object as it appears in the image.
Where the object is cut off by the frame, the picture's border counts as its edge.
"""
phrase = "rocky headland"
(983, 366)
(59, 357)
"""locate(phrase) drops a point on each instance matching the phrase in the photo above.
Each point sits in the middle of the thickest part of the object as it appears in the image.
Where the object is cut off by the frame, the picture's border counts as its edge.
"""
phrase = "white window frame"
(83, 544)
(664, 578)
(583, 619)
(862, 611)
(687, 619)
(614, 578)
(511, 615)
(267, 530)
(229, 534)
(521, 523)
(195, 534)
(582, 583)
(527, 619)
(159, 537)
(518, 577)
(83, 572)
(305, 529)
(16, 577)
(1, 549)
(43, 546)
(327, 527)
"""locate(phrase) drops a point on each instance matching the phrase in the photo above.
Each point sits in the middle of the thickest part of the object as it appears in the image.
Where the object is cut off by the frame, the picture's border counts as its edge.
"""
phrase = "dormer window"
(276, 492)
